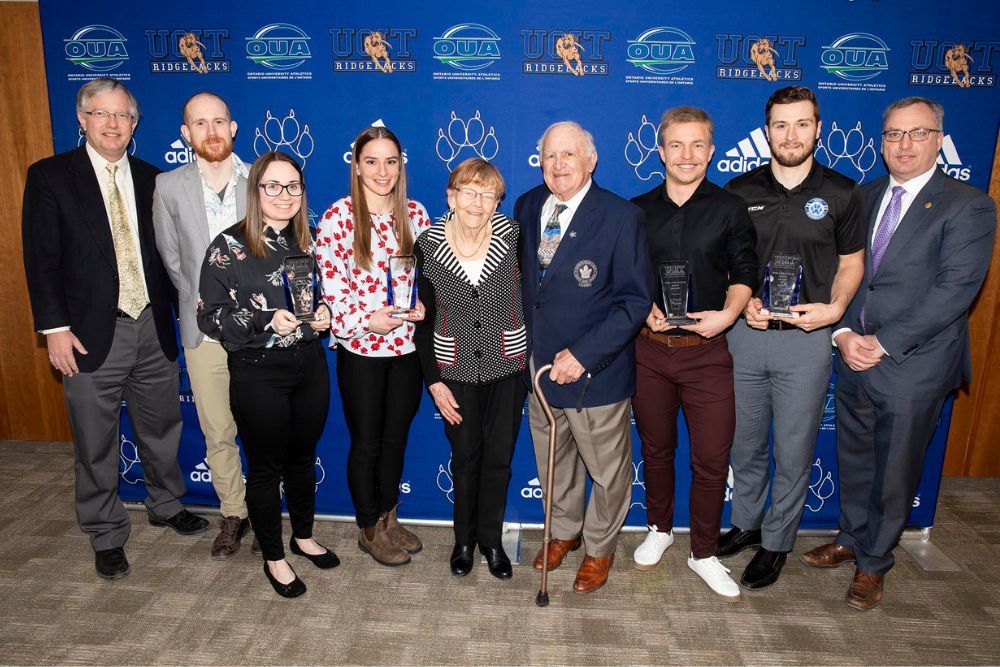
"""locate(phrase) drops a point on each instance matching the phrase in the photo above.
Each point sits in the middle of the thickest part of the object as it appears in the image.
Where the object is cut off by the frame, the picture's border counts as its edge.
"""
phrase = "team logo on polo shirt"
(585, 272)
(817, 208)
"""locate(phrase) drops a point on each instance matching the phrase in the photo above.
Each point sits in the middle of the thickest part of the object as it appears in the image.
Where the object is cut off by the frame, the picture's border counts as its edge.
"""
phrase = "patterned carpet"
(180, 607)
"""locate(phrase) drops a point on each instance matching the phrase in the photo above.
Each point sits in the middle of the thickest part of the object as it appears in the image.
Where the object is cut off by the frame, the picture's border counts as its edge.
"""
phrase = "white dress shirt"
(566, 217)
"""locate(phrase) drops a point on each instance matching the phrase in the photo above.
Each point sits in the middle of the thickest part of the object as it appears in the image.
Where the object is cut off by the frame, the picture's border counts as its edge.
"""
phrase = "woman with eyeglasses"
(472, 348)
(378, 373)
(279, 384)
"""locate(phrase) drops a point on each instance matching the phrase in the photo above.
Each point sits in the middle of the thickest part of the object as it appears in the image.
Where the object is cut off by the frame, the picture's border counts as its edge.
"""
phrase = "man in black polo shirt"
(782, 364)
(690, 219)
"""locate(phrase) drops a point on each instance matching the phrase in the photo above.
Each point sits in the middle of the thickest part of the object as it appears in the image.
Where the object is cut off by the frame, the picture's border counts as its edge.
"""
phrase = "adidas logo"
(180, 153)
(949, 161)
(201, 473)
(748, 154)
(533, 490)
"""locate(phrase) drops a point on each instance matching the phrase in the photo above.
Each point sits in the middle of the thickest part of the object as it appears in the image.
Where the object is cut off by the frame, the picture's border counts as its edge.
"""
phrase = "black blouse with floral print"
(239, 292)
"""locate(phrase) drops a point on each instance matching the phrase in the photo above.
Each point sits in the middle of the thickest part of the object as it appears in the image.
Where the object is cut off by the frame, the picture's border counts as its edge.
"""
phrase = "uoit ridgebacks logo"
(284, 134)
(466, 138)
(281, 49)
(761, 57)
(855, 59)
(98, 49)
(384, 50)
(197, 51)
(966, 64)
(566, 52)
(469, 49)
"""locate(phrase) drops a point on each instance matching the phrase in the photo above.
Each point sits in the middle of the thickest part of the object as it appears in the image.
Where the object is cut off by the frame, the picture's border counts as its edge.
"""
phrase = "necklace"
(455, 245)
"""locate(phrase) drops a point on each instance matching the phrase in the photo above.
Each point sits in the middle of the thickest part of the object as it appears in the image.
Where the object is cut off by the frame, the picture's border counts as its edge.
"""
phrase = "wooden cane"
(542, 600)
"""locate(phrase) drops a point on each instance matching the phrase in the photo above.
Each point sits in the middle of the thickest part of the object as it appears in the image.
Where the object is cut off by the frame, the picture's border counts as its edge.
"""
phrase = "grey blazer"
(917, 304)
(182, 237)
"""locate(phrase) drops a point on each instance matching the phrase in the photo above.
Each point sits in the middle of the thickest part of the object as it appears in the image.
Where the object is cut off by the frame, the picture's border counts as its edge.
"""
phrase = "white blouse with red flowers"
(352, 293)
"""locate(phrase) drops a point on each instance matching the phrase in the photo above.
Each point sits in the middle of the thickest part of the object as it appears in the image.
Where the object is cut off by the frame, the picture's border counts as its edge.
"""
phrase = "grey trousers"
(780, 377)
(136, 369)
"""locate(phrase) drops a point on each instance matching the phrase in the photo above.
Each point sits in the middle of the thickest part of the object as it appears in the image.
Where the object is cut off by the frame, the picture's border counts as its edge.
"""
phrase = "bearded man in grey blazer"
(192, 205)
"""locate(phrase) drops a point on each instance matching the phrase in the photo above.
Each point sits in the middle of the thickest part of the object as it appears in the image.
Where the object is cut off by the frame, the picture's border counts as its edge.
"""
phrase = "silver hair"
(101, 86)
(588, 138)
(936, 109)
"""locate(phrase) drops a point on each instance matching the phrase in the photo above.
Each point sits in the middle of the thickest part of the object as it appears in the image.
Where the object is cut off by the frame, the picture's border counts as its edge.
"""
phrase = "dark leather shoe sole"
(741, 543)
(461, 560)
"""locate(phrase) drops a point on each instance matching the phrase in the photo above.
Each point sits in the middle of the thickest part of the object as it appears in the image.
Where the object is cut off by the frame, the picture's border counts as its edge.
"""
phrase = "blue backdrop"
(465, 80)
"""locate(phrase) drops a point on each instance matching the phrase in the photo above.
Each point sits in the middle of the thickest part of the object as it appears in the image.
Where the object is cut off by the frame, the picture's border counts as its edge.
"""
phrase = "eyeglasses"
(104, 115)
(918, 134)
(294, 189)
(470, 195)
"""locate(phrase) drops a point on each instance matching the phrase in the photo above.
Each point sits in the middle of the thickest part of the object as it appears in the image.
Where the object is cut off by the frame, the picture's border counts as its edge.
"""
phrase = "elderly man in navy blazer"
(587, 290)
(904, 340)
(100, 295)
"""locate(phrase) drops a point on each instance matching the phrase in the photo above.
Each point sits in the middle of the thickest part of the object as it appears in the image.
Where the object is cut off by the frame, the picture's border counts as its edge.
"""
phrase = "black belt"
(121, 314)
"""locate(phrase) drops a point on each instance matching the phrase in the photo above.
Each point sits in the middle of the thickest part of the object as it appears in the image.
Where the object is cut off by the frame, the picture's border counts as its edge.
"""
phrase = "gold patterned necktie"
(131, 295)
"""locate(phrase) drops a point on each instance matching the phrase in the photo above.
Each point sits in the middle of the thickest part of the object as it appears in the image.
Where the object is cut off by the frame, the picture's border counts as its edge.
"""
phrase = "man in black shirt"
(782, 364)
(691, 220)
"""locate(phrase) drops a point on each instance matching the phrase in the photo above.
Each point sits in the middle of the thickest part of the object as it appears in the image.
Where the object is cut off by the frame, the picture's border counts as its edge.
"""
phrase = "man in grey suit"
(904, 340)
(191, 205)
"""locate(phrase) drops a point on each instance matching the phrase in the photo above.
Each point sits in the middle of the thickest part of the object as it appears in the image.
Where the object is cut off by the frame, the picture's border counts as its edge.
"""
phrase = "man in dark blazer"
(586, 287)
(101, 297)
(904, 340)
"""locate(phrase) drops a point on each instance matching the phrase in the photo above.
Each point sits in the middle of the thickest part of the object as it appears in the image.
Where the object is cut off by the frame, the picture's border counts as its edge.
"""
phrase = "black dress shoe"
(736, 540)
(763, 569)
(111, 564)
(322, 561)
(461, 560)
(292, 590)
(498, 562)
(183, 522)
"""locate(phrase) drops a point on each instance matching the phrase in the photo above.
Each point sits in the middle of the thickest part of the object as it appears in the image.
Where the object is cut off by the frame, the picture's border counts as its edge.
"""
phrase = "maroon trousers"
(698, 379)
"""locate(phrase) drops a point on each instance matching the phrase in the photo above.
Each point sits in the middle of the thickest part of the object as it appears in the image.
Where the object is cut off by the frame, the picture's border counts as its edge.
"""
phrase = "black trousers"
(482, 447)
(280, 399)
(380, 397)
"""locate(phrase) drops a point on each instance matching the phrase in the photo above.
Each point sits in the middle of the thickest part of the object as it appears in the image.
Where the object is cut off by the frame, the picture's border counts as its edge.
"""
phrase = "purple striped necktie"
(886, 228)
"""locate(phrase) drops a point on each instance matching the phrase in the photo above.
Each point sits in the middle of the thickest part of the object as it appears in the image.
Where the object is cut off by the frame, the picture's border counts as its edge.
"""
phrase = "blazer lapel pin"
(928, 205)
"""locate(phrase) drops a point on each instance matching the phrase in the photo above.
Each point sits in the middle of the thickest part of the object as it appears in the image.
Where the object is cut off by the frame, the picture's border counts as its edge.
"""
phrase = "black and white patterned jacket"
(471, 333)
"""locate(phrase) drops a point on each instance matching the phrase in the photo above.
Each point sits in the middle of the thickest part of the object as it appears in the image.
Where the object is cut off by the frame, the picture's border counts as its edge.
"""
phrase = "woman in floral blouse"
(378, 373)
(279, 384)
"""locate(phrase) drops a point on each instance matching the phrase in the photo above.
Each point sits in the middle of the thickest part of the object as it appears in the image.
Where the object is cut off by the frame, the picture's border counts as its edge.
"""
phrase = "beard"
(214, 149)
(788, 159)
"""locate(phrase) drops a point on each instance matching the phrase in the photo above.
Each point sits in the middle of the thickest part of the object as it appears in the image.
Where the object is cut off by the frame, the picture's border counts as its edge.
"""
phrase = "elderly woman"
(278, 382)
(377, 369)
(472, 347)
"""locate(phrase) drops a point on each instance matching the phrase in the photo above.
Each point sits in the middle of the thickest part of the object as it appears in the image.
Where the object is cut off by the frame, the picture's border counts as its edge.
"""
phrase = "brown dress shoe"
(399, 535)
(593, 573)
(557, 552)
(828, 555)
(380, 547)
(227, 542)
(865, 590)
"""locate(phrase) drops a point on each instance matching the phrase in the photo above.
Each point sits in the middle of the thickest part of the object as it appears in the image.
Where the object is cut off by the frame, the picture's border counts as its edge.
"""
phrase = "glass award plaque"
(298, 273)
(402, 285)
(782, 283)
(675, 281)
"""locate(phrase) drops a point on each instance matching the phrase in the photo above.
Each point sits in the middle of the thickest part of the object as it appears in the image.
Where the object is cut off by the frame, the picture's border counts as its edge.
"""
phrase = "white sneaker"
(716, 575)
(649, 553)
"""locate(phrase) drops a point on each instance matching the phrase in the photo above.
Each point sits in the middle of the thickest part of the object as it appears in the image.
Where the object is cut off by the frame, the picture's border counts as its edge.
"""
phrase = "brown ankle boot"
(381, 548)
(399, 535)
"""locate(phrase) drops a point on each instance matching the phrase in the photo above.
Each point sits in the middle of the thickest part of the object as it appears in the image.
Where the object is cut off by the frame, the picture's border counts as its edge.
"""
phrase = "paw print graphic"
(848, 152)
(445, 482)
(638, 480)
(466, 138)
(820, 487)
(640, 150)
(130, 466)
(285, 134)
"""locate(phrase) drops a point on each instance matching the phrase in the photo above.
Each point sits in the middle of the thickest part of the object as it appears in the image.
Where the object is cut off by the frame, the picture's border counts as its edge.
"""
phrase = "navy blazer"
(69, 255)
(594, 298)
(917, 304)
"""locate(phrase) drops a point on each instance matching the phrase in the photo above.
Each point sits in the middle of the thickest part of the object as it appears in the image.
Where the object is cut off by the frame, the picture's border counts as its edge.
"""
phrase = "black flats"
(291, 590)
(323, 561)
